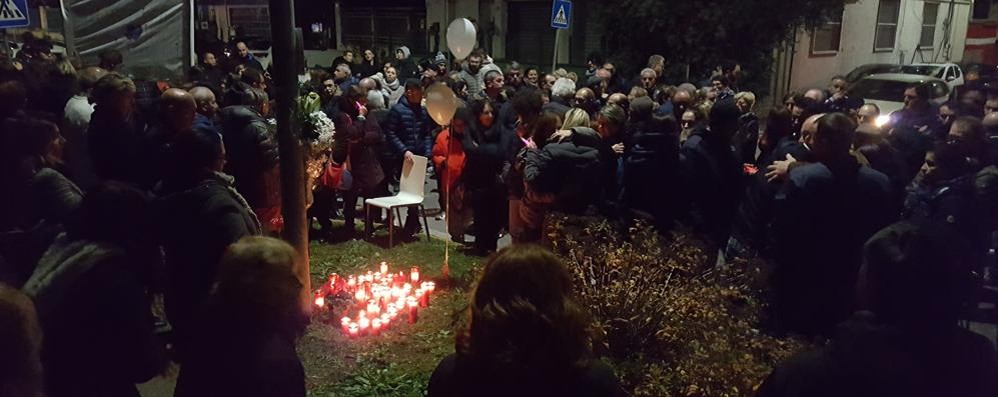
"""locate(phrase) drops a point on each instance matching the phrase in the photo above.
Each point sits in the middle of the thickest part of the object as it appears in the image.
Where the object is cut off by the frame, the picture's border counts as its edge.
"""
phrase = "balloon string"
(443, 174)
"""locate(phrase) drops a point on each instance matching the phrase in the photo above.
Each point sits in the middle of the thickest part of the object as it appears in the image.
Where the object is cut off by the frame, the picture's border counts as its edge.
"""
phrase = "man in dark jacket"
(201, 215)
(409, 133)
(562, 92)
(713, 173)
(823, 214)
(177, 110)
(115, 132)
(651, 158)
(253, 156)
(914, 283)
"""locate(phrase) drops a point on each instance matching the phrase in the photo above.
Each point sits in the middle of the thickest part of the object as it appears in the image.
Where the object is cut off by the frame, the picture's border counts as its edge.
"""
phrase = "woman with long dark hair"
(357, 140)
(527, 336)
(483, 166)
(449, 160)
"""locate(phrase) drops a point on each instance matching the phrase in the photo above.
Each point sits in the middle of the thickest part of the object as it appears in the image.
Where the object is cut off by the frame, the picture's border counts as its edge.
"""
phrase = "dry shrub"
(670, 322)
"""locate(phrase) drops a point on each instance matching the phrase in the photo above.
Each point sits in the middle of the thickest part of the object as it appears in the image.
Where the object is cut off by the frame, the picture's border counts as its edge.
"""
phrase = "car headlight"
(882, 120)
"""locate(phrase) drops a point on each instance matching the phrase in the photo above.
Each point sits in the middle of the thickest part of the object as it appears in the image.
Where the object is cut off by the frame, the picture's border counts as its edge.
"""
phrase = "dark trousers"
(323, 203)
(487, 204)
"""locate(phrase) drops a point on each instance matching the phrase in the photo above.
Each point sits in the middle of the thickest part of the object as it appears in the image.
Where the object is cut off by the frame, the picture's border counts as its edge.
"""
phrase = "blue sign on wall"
(13, 13)
(561, 14)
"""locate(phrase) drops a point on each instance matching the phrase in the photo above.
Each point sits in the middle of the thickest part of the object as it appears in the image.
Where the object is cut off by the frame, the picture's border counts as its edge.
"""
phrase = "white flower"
(324, 126)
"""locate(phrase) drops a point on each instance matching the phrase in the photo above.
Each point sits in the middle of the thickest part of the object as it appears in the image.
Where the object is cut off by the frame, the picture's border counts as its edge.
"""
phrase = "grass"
(400, 361)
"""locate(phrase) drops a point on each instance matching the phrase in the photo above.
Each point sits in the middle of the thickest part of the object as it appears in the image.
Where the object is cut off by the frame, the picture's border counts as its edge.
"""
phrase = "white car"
(887, 90)
(951, 73)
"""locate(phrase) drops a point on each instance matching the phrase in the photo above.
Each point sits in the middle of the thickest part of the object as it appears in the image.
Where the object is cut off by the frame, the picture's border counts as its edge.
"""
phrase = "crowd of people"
(118, 191)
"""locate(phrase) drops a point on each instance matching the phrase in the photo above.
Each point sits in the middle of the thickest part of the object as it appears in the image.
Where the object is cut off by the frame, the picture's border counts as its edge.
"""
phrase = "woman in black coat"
(482, 168)
(357, 141)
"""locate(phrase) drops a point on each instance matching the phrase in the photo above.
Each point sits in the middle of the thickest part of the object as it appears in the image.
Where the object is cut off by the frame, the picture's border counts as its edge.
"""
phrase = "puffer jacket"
(409, 129)
(571, 171)
(252, 156)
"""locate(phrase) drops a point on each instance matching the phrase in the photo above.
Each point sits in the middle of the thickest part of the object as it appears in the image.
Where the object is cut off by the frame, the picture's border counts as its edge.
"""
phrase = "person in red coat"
(448, 159)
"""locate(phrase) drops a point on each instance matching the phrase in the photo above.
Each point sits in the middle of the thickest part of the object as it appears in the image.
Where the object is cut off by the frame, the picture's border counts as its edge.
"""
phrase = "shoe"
(441, 217)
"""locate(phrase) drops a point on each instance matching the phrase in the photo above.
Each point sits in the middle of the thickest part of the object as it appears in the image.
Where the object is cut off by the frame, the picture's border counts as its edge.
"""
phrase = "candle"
(384, 267)
(320, 300)
(376, 326)
(332, 280)
(352, 282)
(424, 297)
(385, 320)
(361, 296)
(414, 274)
(373, 307)
(354, 330)
(361, 314)
(345, 324)
(413, 309)
(364, 324)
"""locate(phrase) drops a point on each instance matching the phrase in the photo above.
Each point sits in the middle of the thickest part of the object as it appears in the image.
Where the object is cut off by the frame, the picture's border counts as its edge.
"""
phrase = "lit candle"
(385, 320)
(320, 300)
(372, 307)
(354, 330)
(361, 296)
(364, 324)
(376, 326)
(424, 297)
(345, 324)
(414, 274)
(332, 280)
(413, 309)
(384, 267)
(431, 286)
(393, 310)
(352, 282)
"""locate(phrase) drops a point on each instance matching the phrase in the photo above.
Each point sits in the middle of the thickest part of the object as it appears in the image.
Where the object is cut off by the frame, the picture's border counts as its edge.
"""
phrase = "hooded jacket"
(252, 156)
(406, 67)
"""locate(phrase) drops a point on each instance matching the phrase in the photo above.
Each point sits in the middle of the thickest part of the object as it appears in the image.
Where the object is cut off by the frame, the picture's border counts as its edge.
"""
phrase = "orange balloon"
(441, 103)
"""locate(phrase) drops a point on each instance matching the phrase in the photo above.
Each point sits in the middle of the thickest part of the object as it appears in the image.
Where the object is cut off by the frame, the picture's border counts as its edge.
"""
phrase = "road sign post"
(561, 16)
(14, 14)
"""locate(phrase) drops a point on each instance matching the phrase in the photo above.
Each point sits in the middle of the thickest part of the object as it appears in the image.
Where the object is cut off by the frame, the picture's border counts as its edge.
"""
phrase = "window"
(825, 38)
(930, 11)
(887, 25)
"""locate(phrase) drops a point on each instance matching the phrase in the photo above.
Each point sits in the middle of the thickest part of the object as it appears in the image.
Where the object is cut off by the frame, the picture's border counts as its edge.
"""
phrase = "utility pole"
(282, 25)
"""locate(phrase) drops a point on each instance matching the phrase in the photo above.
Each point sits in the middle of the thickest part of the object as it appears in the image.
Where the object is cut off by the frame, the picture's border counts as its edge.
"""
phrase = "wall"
(856, 44)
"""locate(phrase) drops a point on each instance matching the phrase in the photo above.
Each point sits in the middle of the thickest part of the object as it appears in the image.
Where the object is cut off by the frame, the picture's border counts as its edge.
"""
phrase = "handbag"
(337, 175)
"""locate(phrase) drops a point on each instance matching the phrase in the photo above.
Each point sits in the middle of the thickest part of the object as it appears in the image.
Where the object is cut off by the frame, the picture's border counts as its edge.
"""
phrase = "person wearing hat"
(406, 67)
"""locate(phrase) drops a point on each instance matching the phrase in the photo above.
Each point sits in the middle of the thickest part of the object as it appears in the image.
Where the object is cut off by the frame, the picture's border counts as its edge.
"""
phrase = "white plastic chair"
(410, 195)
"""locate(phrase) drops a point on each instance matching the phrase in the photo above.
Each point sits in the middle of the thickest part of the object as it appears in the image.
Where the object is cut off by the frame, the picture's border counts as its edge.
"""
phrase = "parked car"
(948, 72)
(887, 90)
(868, 69)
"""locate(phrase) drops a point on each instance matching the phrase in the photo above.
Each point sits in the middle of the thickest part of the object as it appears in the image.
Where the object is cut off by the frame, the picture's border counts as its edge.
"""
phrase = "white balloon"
(461, 38)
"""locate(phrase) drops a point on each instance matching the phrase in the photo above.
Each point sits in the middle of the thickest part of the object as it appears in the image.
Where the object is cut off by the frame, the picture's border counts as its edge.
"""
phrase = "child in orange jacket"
(448, 160)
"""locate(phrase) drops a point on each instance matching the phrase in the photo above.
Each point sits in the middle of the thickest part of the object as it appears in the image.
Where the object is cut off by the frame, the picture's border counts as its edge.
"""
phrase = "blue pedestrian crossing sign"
(561, 14)
(14, 13)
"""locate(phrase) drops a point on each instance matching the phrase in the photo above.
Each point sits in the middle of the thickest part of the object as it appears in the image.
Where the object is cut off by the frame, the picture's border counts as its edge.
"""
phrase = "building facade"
(874, 31)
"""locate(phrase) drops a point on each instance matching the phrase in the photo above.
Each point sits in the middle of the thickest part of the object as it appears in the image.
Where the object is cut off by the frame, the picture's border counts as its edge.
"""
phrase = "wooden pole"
(285, 76)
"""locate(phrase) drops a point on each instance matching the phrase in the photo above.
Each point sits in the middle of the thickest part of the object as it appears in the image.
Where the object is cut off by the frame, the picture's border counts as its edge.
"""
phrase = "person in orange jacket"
(448, 159)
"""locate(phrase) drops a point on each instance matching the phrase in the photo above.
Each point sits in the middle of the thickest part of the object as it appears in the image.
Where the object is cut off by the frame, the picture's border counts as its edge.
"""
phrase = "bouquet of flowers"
(318, 133)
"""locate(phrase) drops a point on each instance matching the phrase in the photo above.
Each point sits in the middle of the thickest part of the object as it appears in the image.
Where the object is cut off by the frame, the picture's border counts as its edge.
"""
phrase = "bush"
(671, 323)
